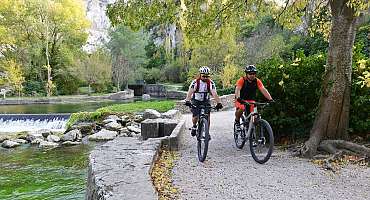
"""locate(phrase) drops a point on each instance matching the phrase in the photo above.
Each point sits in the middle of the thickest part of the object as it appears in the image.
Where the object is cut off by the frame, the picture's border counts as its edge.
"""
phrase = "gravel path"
(229, 173)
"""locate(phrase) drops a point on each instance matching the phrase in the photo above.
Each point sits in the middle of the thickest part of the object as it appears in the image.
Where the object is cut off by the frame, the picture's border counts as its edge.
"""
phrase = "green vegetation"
(161, 106)
(30, 173)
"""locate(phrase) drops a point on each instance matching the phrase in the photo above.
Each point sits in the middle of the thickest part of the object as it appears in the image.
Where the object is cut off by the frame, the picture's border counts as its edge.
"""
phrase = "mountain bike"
(202, 131)
(257, 130)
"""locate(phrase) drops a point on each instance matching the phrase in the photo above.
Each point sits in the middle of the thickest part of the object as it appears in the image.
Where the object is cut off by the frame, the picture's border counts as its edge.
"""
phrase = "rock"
(32, 136)
(123, 130)
(113, 126)
(44, 132)
(72, 135)
(134, 129)
(172, 114)
(70, 143)
(10, 144)
(125, 119)
(138, 118)
(103, 135)
(145, 97)
(113, 117)
(47, 144)
(151, 114)
(53, 138)
(127, 94)
(86, 128)
(37, 141)
(20, 141)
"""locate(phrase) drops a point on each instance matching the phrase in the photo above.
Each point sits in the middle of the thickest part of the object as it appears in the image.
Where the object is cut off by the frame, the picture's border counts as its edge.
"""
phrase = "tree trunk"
(332, 119)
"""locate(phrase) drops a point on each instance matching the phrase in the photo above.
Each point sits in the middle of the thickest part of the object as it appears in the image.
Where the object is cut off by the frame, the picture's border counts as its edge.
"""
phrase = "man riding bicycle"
(245, 91)
(198, 93)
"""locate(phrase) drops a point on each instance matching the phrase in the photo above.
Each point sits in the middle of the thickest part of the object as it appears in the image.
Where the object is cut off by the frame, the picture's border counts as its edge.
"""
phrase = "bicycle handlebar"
(205, 106)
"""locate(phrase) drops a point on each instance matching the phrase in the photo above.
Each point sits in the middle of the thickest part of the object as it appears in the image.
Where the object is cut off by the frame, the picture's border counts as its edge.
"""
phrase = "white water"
(32, 125)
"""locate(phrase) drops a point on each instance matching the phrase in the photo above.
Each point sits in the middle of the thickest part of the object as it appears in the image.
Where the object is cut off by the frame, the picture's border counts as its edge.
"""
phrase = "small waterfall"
(32, 122)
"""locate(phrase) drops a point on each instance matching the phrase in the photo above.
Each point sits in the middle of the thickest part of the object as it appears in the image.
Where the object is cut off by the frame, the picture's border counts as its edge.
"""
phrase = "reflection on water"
(57, 108)
(31, 173)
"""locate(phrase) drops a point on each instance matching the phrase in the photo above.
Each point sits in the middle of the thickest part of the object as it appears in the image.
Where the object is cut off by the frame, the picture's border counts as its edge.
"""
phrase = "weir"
(33, 122)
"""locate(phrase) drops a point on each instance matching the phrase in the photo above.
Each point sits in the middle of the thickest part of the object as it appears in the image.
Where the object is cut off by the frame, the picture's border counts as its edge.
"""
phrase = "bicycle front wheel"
(261, 142)
(203, 139)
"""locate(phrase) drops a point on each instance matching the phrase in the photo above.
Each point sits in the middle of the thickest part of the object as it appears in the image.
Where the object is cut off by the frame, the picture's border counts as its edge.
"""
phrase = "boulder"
(44, 132)
(70, 143)
(53, 138)
(72, 135)
(32, 136)
(172, 114)
(151, 114)
(113, 126)
(37, 141)
(134, 129)
(138, 118)
(145, 97)
(10, 144)
(20, 141)
(47, 144)
(86, 128)
(103, 135)
(127, 94)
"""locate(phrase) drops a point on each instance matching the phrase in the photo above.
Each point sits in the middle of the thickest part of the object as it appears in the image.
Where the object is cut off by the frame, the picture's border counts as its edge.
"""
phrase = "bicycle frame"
(253, 117)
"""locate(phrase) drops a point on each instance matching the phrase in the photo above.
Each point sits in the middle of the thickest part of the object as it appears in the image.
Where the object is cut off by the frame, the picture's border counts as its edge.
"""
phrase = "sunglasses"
(205, 76)
(251, 73)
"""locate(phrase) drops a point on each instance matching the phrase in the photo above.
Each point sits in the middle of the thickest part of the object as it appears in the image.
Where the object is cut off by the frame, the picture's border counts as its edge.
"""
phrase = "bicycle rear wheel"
(239, 136)
(203, 139)
(261, 142)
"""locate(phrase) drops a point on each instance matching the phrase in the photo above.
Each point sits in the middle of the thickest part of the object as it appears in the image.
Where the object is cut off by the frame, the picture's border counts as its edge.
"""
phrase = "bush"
(34, 88)
(295, 85)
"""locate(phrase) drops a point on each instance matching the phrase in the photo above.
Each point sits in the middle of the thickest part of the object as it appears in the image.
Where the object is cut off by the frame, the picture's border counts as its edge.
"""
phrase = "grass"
(161, 106)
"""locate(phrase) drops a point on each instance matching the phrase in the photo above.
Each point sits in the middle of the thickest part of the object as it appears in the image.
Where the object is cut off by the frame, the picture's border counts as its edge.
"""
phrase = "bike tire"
(256, 136)
(239, 140)
(203, 139)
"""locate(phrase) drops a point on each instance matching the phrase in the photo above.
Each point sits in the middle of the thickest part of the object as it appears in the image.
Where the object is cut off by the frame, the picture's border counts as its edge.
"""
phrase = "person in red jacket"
(245, 91)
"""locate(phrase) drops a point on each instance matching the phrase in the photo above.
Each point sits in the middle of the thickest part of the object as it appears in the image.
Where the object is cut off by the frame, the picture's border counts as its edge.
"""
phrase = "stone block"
(149, 129)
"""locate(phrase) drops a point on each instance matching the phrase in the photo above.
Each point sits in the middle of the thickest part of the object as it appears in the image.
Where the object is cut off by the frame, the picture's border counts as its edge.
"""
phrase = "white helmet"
(204, 70)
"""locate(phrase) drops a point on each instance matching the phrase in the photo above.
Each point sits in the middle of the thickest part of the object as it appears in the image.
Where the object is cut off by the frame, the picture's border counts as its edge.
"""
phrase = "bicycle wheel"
(261, 142)
(239, 136)
(203, 139)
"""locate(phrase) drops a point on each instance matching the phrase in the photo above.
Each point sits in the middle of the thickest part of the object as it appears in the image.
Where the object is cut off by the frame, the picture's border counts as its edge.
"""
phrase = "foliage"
(128, 51)
(360, 96)
(84, 116)
(14, 75)
(95, 69)
(28, 25)
(161, 175)
(295, 85)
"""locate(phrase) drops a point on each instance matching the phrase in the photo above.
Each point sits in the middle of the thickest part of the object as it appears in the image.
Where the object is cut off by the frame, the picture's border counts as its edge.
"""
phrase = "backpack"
(208, 85)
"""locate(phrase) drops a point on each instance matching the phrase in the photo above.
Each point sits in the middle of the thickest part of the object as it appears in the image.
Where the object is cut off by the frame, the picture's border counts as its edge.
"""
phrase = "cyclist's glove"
(219, 106)
(187, 103)
(239, 100)
(271, 101)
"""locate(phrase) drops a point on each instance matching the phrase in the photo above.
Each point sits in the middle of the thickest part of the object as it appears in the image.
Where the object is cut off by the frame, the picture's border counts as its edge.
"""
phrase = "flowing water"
(31, 173)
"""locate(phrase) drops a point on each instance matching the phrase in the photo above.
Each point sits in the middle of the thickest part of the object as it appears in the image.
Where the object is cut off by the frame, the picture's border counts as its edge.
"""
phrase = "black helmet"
(250, 69)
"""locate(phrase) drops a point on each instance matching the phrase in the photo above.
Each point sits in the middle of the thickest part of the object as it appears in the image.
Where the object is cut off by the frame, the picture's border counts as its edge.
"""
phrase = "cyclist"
(245, 91)
(199, 94)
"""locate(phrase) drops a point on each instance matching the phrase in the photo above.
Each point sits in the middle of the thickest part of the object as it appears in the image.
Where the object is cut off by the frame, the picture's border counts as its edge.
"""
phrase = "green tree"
(128, 53)
(44, 33)
(95, 68)
(13, 75)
